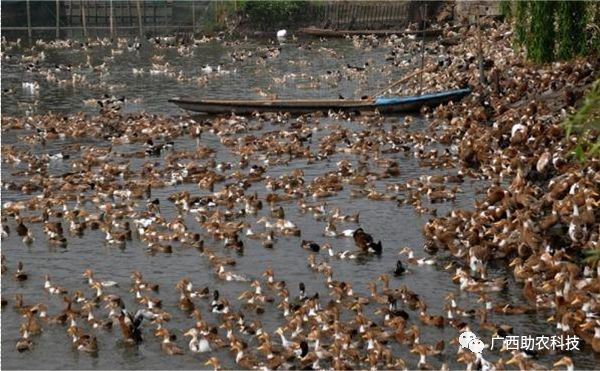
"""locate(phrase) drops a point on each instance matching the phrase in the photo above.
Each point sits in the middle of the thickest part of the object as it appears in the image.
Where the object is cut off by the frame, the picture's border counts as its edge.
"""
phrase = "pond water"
(396, 225)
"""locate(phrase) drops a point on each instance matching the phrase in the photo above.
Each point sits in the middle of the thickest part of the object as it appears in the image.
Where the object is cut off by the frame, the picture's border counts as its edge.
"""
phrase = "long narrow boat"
(323, 32)
(382, 104)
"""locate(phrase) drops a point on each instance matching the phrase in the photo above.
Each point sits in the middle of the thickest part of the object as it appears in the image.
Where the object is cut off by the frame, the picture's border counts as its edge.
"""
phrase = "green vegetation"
(505, 8)
(275, 13)
(552, 30)
(586, 124)
(221, 15)
(262, 15)
(521, 22)
(540, 42)
(570, 28)
(592, 257)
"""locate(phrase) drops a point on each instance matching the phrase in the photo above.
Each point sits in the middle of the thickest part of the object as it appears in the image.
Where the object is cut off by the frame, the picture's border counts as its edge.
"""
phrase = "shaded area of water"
(396, 226)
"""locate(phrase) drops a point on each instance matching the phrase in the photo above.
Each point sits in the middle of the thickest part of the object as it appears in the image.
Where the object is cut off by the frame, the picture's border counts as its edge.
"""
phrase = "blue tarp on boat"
(390, 101)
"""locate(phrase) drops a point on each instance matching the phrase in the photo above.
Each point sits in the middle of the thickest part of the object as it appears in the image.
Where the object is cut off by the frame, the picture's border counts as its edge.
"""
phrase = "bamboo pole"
(28, 21)
(69, 12)
(194, 17)
(139, 14)
(83, 22)
(129, 16)
(423, 16)
(111, 20)
(57, 19)
(482, 79)
(398, 82)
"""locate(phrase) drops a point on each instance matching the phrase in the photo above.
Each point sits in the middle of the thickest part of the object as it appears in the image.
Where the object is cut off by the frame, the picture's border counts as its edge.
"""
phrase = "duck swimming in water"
(24, 343)
(400, 270)
(197, 345)
(20, 275)
(365, 242)
(310, 245)
(131, 324)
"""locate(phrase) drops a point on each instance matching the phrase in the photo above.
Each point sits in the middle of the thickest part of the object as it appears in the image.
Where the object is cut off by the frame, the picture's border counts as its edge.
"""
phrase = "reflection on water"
(396, 226)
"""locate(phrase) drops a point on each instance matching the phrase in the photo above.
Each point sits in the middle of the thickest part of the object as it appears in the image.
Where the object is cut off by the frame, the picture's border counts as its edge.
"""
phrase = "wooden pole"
(139, 14)
(111, 21)
(83, 21)
(28, 21)
(57, 19)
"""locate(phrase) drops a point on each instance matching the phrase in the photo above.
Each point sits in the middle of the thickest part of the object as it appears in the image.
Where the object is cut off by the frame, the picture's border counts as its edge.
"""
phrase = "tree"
(571, 26)
(554, 29)
(521, 22)
(541, 39)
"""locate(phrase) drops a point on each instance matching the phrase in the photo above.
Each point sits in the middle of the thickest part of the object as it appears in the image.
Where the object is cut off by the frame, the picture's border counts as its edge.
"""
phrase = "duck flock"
(134, 181)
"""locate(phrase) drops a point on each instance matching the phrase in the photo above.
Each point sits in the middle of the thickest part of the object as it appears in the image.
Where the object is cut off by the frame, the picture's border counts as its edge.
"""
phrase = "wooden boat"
(323, 32)
(382, 104)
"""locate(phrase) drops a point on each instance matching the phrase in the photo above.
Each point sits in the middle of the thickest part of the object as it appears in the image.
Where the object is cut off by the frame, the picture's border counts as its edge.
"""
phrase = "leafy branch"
(586, 124)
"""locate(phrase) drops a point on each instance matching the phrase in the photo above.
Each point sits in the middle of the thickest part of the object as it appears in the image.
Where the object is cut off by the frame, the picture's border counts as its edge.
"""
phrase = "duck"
(89, 274)
(131, 325)
(411, 257)
(281, 34)
(346, 254)
(393, 311)
(331, 230)
(33, 326)
(139, 282)
(400, 270)
(20, 306)
(24, 343)
(336, 215)
(566, 362)
(83, 342)
(20, 275)
(197, 345)
(428, 319)
(229, 276)
(214, 361)
(92, 321)
(167, 346)
(271, 283)
(31, 87)
(365, 242)
(285, 343)
(523, 361)
(60, 319)
(310, 245)
(244, 361)
(422, 352)
(219, 305)
(377, 298)
(185, 303)
(51, 289)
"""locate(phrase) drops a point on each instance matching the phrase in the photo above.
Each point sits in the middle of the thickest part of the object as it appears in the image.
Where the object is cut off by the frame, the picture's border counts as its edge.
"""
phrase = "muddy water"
(396, 226)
